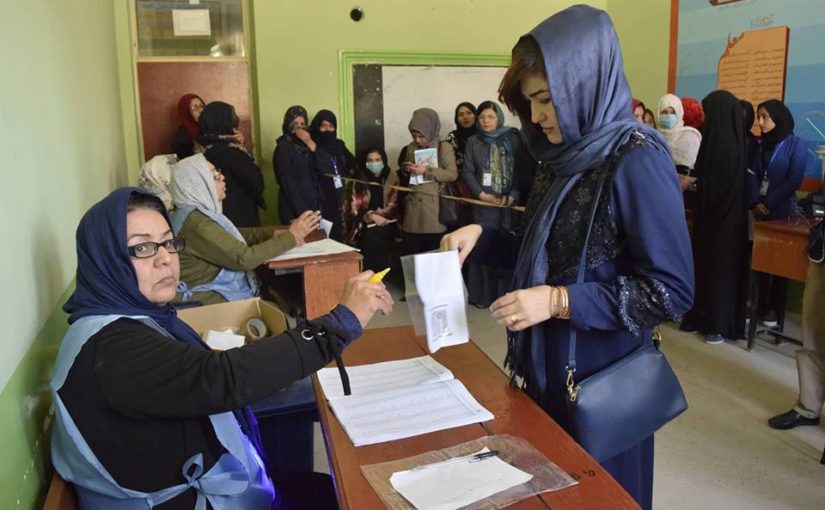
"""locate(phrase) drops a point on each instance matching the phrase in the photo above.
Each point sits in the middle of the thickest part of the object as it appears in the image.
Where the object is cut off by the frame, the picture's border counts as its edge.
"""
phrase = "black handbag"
(626, 402)
(447, 208)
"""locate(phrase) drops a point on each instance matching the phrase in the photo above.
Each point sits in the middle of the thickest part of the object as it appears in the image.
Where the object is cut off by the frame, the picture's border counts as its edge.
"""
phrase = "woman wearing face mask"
(683, 141)
(494, 160)
(373, 208)
(777, 169)
(332, 158)
(567, 84)
(294, 161)
(420, 224)
(219, 262)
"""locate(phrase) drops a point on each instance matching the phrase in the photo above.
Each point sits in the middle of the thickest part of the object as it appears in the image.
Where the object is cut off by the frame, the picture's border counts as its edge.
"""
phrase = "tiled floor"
(719, 454)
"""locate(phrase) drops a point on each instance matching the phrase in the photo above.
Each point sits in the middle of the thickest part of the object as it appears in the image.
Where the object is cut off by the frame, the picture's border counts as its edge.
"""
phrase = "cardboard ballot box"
(285, 418)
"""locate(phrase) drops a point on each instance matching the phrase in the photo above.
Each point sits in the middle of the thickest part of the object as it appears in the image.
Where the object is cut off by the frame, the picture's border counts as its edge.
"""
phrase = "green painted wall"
(644, 31)
(61, 135)
(296, 47)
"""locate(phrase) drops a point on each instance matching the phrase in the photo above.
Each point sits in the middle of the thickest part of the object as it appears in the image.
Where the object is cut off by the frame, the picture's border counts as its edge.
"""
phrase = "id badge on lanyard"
(336, 181)
(763, 187)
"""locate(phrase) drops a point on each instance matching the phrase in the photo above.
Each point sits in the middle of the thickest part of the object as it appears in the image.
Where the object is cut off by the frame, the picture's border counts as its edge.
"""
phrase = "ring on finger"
(512, 319)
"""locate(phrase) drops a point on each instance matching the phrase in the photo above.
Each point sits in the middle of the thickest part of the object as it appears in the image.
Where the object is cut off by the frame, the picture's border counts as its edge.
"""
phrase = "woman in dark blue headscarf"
(566, 82)
(145, 412)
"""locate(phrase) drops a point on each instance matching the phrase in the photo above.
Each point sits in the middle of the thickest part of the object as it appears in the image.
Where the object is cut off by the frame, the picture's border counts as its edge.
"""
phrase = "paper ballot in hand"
(436, 298)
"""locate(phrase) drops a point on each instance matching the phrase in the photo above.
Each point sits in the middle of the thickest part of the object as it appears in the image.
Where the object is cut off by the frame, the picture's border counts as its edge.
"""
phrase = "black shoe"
(790, 420)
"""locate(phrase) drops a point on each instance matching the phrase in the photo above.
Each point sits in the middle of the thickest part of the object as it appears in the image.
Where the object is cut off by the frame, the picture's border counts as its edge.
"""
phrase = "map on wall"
(759, 50)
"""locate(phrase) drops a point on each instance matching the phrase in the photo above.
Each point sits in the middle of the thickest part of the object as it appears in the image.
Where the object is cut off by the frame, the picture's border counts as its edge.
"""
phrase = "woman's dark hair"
(526, 60)
(139, 200)
(487, 105)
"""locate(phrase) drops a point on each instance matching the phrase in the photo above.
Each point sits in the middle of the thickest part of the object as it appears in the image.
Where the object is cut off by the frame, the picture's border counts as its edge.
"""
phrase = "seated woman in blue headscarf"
(566, 82)
(219, 262)
(145, 413)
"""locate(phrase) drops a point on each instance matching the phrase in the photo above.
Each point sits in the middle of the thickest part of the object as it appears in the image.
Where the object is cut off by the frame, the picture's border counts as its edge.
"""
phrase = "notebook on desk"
(398, 399)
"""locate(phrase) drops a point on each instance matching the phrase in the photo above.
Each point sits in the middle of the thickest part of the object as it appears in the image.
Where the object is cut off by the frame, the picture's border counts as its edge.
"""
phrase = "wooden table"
(779, 249)
(324, 278)
(514, 412)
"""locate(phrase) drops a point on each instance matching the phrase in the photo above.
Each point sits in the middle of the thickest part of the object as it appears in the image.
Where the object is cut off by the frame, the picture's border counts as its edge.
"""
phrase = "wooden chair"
(61, 495)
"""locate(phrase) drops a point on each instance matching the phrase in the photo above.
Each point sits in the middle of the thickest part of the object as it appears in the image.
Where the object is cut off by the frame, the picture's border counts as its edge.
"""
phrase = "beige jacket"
(421, 207)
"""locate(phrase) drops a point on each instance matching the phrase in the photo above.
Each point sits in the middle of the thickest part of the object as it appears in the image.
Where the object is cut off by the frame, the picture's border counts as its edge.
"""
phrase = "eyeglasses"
(196, 108)
(217, 175)
(150, 249)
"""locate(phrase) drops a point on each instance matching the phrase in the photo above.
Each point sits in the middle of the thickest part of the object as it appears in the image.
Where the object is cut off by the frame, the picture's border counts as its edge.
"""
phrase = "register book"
(398, 399)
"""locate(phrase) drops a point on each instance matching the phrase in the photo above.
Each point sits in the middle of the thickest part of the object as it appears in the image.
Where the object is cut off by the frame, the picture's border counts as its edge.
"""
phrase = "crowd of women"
(147, 415)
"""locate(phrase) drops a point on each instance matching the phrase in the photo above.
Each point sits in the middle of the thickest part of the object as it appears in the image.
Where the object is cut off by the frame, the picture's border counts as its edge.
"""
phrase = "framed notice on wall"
(754, 64)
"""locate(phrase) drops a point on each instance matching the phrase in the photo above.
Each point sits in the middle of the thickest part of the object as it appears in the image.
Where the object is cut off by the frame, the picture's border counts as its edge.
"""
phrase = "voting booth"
(286, 418)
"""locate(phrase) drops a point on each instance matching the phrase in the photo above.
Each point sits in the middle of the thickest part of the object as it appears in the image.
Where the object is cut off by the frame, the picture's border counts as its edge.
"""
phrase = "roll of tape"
(256, 328)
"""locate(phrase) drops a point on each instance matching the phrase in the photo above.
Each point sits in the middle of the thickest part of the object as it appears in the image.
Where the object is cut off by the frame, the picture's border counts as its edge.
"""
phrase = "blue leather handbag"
(626, 402)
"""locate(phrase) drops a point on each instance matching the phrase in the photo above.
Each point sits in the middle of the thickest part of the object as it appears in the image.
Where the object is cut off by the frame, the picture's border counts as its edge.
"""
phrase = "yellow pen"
(377, 277)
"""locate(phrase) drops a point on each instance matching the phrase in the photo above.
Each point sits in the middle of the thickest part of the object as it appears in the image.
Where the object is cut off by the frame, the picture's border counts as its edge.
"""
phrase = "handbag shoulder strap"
(635, 139)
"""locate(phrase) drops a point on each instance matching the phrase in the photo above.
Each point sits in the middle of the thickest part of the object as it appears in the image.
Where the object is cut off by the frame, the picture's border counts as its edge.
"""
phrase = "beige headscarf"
(155, 177)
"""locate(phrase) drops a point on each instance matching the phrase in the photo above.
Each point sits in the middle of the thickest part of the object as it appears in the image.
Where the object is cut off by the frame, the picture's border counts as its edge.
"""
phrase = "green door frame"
(348, 58)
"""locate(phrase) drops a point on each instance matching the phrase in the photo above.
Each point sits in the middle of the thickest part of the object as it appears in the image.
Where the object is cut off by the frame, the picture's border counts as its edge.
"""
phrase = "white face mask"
(668, 120)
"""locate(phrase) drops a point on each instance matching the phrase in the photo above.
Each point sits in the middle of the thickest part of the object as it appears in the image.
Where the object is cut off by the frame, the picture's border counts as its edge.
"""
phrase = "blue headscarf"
(106, 280)
(589, 91)
(107, 283)
(592, 102)
(500, 129)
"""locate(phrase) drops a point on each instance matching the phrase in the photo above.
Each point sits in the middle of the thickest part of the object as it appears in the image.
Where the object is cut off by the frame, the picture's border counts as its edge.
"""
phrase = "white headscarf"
(155, 177)
(193, 185)
(683, 140)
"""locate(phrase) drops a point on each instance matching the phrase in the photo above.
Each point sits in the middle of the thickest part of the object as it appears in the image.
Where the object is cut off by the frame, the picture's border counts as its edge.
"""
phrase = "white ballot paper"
(436, 298)
(315, 248)
(326, 226)
(457, 482)
(398, 399)
(379, 377)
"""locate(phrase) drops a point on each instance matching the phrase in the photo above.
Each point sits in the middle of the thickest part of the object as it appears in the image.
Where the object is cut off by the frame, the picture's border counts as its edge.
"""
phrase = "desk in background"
(779, 249)
(514, 412)
(323, 282)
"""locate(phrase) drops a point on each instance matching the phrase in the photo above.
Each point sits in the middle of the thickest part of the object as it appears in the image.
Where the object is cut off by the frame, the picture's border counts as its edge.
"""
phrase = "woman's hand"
(415, 169)
(686, 183)
(760, 211)
(523, 308)
(378, 219)
(364, 298)
(463, 240)
(304, 225)
(304, 136)
(489, 198)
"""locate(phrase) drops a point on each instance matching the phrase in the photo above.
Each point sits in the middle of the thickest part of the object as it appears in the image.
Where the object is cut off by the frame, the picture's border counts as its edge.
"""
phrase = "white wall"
(407, 88)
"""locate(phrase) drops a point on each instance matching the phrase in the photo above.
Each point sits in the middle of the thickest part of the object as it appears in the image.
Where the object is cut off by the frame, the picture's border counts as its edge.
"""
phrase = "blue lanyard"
(334, 164)
(773, 156)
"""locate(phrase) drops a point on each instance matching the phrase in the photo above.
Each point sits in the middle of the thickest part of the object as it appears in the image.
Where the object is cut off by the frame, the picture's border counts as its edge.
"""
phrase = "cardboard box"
(234, 315)
(285, 419)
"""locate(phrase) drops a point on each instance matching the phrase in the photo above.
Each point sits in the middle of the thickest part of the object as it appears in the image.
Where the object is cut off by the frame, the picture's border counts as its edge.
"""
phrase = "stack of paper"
(399, 399)
(314, 249)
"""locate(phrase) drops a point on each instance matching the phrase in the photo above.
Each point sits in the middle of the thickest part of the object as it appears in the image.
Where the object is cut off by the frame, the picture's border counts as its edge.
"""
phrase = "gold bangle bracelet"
(565, 304)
